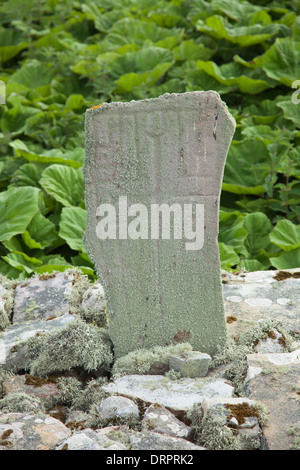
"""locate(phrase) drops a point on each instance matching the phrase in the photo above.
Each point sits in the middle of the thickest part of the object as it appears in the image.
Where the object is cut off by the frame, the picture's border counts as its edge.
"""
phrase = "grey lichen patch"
(212, 432)
(6, 301)
(80, 284)
(140, 361)
(21, 403)
(75, 345)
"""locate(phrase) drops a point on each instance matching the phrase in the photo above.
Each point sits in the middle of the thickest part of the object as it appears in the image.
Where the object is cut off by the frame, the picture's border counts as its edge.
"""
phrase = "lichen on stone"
(77, 344)
(140, 361)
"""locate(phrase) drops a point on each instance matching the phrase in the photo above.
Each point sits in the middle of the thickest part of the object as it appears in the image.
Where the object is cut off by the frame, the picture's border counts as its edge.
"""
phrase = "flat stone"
(24, 431)
(178, 396)
(13, 339)
(167, 150)
(117, 408)
(149, 440)
(193, 364)
(159, 419)
(39, 298)
(273, 380)
(87, 439)
(250, 297)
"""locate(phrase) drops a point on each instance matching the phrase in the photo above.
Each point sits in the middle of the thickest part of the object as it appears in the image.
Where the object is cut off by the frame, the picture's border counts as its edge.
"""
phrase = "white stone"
(178, 396)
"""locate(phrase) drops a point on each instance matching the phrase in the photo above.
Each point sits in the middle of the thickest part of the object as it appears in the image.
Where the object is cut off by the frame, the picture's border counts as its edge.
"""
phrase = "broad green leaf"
(73, 158)
(72, 227)
(28, 175)
(22, 262)
(244, 83)
(143, 60)
(250, 265)
(290, 111)
(75, 101)
(11, 43)
(64, 184)
(17, 208)
(243, 174)
(231, 229)
(34, 75)
(189, 50)
(235, 9)
(287, 260)
(228, 256)
(286, 235)
(244, 36)
(258, 227)
(281, 61)
(40, 233)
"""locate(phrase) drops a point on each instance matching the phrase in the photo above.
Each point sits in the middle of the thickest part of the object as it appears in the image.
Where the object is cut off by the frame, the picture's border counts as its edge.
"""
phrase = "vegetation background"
(60, 57)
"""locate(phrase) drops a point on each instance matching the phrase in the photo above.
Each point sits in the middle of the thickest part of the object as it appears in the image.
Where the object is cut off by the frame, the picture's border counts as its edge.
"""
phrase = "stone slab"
(178, 396)
(12, 339)
(250, 297)
(274, 380)
(42, 297)
(167, 150)
(25, 431)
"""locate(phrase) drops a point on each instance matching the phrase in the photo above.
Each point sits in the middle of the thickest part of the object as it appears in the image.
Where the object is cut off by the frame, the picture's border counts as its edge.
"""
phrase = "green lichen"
(140, 361)
(21, 403)
(75, 345)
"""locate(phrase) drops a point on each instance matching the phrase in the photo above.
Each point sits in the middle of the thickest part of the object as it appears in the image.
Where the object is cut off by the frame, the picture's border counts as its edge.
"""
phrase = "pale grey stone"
(179, 395)
(283, 301)
(193, 364)
(277, 388)
(28, 431)
(93, 306)
(13, 339)
(87, 439)
(159, 419)
(166, 150)
(116, 408)
(39, 298)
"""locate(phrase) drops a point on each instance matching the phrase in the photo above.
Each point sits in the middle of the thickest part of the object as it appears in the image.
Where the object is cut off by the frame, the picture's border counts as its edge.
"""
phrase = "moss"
(241, 411)
(77, 344)
(21, 403)
(141, 360)
(231, 319)
(282, 275)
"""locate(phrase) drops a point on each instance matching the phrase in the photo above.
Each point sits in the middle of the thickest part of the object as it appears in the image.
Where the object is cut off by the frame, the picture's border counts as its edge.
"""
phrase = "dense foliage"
(59, 57)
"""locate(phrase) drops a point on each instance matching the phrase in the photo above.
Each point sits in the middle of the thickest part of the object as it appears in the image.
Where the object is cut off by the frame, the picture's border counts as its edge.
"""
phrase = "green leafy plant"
(58, 58)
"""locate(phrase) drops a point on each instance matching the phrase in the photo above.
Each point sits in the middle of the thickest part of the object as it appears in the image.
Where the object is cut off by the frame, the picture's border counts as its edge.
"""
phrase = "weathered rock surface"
(249, 297)
(13, 339)
(117, 408)
(159, 419)
(179, 395)
(194, 364)
(274, 380)
(43, 297)
(24, 431)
